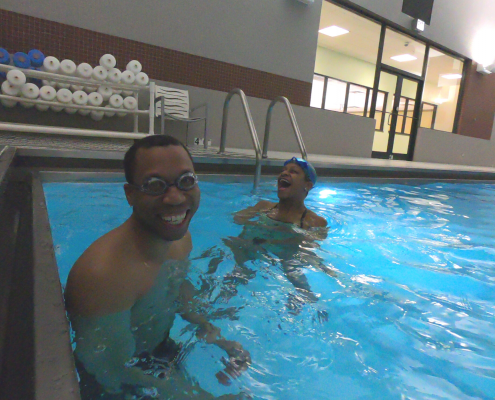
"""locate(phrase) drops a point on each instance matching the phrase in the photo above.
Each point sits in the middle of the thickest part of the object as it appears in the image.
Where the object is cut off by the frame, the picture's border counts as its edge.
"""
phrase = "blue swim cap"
(308, 169)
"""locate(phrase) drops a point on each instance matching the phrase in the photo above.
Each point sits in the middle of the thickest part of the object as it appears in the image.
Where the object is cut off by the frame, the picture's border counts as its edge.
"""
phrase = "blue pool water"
(405, 279)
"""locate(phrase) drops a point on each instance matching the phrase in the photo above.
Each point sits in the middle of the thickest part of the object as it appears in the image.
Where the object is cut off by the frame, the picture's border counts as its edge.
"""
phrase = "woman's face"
(292, 182)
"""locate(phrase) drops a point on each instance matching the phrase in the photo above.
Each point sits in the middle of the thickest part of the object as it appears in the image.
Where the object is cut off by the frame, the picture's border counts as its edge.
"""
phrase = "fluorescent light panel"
(404, 58)
(333, 31)
(452, 76)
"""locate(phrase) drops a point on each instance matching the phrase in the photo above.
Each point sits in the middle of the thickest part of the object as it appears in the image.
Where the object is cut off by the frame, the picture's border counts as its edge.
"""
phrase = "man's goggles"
(155, 186)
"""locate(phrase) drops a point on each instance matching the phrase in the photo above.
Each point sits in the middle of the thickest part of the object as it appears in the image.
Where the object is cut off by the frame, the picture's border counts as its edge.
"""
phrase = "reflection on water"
(397, 301)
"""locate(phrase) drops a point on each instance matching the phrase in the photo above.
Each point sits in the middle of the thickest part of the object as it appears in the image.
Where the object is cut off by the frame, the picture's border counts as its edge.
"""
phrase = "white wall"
(448, 148)
(277, 36)
(341, 66)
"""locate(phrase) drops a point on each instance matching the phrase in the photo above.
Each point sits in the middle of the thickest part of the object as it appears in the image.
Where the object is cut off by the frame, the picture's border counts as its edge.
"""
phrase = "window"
(442, 85)
(428, 115)
(340, 96)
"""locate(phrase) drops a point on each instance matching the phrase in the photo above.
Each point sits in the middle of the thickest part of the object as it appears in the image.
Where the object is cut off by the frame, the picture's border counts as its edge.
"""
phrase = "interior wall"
(276, 36)
(448, 148)
(324, 132)
(346, 68)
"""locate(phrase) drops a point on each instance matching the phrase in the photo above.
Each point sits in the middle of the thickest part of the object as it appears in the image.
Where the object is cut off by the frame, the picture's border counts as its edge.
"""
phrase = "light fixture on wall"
(483, 70)
(404, 58)
(451, 76)
(333, 31)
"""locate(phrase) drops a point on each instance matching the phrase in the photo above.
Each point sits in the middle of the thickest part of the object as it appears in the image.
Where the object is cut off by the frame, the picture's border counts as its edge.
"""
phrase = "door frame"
(380, 66)
(401, 75)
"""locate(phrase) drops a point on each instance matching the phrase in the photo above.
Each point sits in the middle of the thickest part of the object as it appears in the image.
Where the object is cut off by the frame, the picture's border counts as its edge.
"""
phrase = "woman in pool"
(286, 229)
(297, 178)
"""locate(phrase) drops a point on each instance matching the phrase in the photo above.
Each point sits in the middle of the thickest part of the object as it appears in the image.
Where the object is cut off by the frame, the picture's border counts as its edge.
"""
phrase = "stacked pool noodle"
(16, 85)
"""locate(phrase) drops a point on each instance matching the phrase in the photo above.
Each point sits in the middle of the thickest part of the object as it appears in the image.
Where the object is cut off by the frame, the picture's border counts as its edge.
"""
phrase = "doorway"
(400, 115)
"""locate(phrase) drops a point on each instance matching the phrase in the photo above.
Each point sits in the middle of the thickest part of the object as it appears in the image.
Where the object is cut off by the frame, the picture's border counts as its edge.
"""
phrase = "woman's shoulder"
(315, 221)
(264, 205)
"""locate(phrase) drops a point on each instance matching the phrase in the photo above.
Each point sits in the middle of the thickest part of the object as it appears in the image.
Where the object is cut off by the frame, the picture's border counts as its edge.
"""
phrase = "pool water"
(404, 281)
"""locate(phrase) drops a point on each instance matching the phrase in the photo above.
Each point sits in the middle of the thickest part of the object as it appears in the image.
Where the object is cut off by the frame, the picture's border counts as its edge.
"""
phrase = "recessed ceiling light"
(333, 31)
(404, 58)
(452, 76)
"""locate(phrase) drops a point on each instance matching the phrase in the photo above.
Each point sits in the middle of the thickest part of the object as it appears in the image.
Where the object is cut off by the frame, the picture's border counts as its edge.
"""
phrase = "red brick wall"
(19, 32)
(478, 105)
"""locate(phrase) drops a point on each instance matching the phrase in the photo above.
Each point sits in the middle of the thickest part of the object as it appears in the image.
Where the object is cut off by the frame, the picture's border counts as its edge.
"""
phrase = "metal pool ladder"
(252, 131)
(295, 127)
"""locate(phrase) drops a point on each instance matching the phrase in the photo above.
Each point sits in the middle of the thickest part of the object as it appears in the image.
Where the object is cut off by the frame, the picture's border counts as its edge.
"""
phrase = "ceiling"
(362, 43)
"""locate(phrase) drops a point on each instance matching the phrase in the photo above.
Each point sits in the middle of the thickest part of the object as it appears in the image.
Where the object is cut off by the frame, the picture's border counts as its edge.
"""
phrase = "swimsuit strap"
(302, 217)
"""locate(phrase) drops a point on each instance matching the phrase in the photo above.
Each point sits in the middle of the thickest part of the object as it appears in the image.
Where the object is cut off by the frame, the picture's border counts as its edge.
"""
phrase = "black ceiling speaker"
(419, 9)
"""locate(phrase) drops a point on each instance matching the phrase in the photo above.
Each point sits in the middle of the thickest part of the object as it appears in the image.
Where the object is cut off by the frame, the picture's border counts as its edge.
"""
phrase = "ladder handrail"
(292, 117)
(252, 131)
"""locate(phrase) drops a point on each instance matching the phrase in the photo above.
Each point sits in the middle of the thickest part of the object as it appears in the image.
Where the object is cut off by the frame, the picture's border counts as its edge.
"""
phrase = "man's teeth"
(174, 219)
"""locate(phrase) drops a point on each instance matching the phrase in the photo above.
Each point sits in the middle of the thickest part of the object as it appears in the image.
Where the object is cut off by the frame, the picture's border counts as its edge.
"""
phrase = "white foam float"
(121, 114)
(116, 101)
(64, 96)
(100, 73)
(134, 66)
(8, 103)
(109, 113)
(114, 75)
(84, 112)
(84, 70)
(51, 64)
(68, 67)
(76, 88)
(16, 78)
(130, 103)
(97, 115)
(142, 79)
(90, 89)
(108, 61)
(47, 93)
(128, 77)
(9, 89)
(106, 92)
(95, 99)
(80, 98)
(70, 110)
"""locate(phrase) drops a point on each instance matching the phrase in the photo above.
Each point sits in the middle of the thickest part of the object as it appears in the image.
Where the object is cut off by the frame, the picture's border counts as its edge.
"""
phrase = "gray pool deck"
(44, 145)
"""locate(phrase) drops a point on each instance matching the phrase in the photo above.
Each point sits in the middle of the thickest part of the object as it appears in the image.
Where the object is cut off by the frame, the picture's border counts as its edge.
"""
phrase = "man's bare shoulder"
(99, 283)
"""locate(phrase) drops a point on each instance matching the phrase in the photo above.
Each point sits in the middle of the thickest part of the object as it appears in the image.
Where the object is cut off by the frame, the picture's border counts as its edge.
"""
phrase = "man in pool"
(286, 229)
(123, 293)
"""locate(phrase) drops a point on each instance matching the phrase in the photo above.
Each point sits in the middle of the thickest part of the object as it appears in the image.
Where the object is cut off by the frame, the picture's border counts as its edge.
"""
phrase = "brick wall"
(19, 32)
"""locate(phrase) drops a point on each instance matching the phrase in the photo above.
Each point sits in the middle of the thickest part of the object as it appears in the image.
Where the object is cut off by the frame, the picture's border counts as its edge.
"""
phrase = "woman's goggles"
(156, 186)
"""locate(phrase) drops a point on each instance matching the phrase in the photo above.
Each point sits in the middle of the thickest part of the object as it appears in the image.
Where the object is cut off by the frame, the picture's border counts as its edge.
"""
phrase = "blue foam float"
(4, 56)
(36, 57)
(21, 60)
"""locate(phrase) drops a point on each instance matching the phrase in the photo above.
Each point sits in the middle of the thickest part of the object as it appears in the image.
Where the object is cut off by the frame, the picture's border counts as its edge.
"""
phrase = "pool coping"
(35, 346)
(40, 159)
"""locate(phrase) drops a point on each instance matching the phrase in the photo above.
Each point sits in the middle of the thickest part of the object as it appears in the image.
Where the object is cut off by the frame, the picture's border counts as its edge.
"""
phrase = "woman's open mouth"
(283, 183)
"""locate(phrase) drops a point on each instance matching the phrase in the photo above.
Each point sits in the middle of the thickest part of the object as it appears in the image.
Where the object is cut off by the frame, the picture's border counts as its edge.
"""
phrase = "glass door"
(393, 141)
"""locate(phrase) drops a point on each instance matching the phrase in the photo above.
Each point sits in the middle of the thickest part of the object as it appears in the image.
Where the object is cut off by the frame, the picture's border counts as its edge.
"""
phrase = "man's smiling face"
(167, 215)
